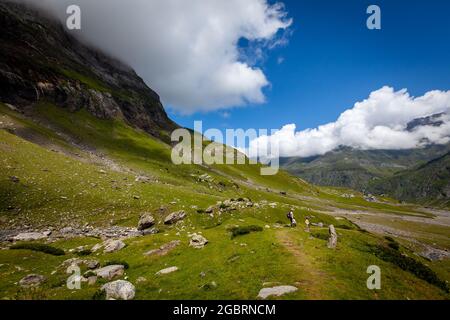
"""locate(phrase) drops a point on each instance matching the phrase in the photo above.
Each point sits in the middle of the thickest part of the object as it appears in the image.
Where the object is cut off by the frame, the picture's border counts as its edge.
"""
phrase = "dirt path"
(310, 279)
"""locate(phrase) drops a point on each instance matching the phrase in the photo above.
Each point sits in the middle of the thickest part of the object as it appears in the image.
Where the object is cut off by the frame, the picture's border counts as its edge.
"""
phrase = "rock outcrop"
(174, 217)
(332, 240)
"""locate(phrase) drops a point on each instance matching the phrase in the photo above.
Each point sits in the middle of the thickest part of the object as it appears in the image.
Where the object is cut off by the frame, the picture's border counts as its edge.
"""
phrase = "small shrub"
(394, 245)
(39, 247)
(320, 235)
(99, 295)
(85, 252)
(411, 265)
(223, 206)
(89, 273)
(114, 262)
(344, 226)
(240, 231)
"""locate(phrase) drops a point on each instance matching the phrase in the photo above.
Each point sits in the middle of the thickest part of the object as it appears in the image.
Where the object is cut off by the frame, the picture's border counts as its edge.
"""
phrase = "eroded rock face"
(198, 241)
(332, 240)
(276, 291)
(119, 290)
(146, 221)
(32, 280)
(174, 217)
(110, 272)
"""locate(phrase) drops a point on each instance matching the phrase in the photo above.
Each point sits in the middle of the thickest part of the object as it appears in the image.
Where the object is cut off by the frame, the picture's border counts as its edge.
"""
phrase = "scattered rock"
(32, 280)
(164, 249)
(146, 221)
(167, 271)
(147, 232)
(174, 217)
(198, 241)
(92, 280)
(110, 272)
(332, 241)
(119, 290)
(276, 291)
(90, 264)
(209, 209)
(141, 279)
(113, 245)
(29, 236)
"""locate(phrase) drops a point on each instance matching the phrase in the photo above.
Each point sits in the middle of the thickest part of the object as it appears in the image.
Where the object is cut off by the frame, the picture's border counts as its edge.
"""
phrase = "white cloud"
(187, 51)
(379, 122)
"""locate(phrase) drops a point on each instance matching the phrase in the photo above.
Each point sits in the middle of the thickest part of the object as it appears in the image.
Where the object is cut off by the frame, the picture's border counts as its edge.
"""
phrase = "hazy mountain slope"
(347, 167)
(429, 182)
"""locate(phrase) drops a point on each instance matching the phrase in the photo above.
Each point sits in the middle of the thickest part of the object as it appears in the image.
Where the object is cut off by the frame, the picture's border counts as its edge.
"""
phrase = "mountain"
(87, 180)
(39, 61)
(356, 169)
(429, 182)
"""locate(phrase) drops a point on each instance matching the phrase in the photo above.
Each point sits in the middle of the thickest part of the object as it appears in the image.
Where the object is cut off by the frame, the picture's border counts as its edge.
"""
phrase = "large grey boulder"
(113, 245)
(198, 241)
(110, 272)
(332, 240)
(146, 221)
(29, 236)
(32, 280)
(119, 290)
(276, 291)
(174, 217)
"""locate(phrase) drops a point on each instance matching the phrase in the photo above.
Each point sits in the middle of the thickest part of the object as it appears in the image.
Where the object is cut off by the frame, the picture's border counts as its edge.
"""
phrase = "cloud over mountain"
(379, 122)
(186, 50)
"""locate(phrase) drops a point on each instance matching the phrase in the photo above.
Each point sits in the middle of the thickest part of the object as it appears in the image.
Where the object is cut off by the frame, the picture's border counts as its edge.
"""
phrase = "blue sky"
(332, 61)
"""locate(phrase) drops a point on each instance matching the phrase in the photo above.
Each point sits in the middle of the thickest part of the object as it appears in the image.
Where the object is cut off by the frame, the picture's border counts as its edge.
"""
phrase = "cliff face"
(40, 61)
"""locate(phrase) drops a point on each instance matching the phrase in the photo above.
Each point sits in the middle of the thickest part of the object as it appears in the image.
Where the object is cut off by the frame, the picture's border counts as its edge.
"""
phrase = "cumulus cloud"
(379, 122)
(187, 51)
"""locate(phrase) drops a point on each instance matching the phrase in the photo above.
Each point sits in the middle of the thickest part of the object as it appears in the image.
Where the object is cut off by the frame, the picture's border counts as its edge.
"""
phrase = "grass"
(57, 189)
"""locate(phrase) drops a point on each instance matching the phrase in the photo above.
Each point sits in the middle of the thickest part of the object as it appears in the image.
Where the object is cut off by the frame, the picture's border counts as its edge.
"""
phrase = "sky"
(311, 68)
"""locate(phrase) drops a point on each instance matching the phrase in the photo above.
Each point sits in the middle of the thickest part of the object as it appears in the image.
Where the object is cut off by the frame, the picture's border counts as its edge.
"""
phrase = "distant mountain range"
(413, 175)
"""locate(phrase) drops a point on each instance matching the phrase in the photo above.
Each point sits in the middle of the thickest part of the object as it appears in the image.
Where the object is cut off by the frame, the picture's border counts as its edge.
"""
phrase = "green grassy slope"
(74, 169)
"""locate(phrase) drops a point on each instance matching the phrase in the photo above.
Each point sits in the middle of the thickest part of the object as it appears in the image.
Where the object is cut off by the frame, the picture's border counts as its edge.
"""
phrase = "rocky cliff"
(40, 61)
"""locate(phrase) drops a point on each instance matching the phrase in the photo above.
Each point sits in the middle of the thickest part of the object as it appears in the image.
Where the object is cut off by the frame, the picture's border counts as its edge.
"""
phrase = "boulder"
(29, 236)
(174, 217)
(113, 245)
(332, 240)
(119, 290)
(198, 241)
(110, 272)
(31, 280)
(166, 271)
(146, 221)
(276, 291)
